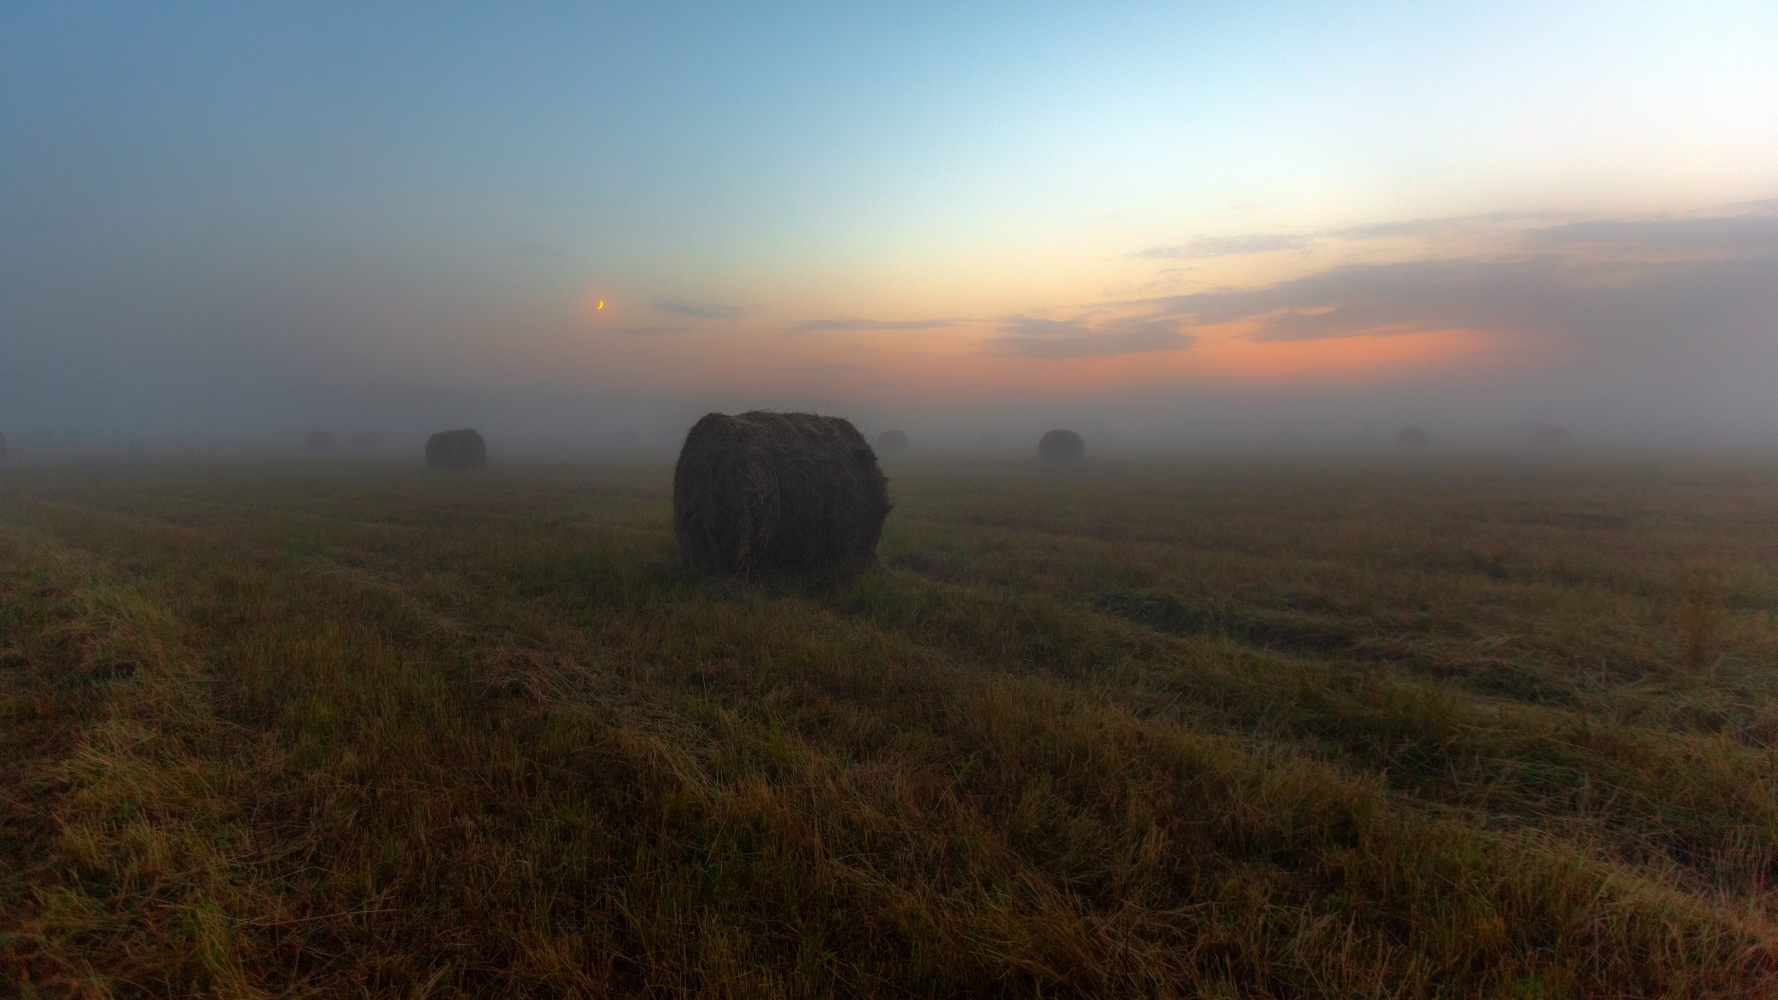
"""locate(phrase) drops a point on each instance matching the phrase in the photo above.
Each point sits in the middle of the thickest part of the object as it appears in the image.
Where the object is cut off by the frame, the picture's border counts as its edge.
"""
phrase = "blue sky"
(223, 213)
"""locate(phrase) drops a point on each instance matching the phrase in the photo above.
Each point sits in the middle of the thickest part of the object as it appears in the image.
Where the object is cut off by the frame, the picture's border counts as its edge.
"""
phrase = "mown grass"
(1202, 729)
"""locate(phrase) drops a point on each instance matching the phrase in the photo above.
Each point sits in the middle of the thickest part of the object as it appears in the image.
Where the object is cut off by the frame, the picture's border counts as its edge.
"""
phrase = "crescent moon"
(601, 303)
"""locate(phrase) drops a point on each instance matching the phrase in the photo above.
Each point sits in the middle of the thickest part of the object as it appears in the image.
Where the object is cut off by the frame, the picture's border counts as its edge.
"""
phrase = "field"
(1206, 728)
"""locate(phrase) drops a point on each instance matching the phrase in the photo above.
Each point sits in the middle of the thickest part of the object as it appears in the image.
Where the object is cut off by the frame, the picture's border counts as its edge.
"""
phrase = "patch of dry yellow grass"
(1140, 731)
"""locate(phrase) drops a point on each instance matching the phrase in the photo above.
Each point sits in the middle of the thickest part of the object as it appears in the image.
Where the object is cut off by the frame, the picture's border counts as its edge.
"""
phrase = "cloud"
(1423, 228)
(700, 310)
(1032, 337)
(1722, 234)
(1553, 295)
(647, 331)
(1378, 300)
(1227, 246)
(1242, 244)
(853, 323)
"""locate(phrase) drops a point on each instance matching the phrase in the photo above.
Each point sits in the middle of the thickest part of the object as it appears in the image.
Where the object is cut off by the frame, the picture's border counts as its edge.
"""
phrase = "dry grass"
(1202, 730)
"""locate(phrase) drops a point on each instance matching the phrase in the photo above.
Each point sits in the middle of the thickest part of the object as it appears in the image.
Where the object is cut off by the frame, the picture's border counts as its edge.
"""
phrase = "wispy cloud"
(1686, 279)
(1033, 337)
(854, 323)
(1227, 246)
(701, 310)
(1381, 300)
(1754, 232)
(1450, 225)
(1243, 244)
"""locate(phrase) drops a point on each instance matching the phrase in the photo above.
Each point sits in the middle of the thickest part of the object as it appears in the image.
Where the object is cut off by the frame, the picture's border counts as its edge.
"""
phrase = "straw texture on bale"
(321, 441)
(892, 441)
(460, 449)
(777, 493)
(1411, 437)
(1062, 446)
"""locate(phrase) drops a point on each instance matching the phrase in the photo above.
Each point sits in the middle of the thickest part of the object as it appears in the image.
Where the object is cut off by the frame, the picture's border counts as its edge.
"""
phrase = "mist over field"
(1652, 332)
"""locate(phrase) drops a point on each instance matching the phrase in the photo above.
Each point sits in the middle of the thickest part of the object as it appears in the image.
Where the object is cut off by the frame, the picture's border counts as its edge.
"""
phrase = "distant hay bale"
(366, 440)
(461, 449)
(1411, 437)
(892, 441)
(321, 441)
(777, 492)
(1062, 446)
(1547, 435)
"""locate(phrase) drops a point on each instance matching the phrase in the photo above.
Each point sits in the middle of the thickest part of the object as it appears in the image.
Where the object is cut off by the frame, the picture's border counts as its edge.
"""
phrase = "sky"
(1160, 223)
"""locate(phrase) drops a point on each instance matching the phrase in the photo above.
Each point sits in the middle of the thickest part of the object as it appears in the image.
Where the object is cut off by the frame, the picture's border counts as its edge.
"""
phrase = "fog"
(1656, 332)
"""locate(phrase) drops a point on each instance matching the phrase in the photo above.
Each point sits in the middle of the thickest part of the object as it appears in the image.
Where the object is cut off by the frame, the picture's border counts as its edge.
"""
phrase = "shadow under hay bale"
(461, 449)
(321, 441)
(1411, 437)
(761, 493)
(1062, 446)
(892, 441)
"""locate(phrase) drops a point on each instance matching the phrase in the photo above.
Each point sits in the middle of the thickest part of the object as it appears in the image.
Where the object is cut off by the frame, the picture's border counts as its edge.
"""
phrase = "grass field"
(1193, 729)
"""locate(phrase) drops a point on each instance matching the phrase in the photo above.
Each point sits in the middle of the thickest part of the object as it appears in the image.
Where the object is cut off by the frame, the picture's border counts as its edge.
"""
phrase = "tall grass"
(1205, 730)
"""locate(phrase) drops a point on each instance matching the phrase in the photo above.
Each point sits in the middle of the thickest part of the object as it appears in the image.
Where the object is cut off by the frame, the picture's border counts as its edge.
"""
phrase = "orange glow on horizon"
(955, 358)
(955, 363)
(1340, 357)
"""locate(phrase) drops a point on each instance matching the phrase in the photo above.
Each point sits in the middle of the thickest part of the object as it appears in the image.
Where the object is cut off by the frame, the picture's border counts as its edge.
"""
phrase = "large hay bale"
(1062, 446)
(321, 441)
(460, 449)
(366, 440)
(1411, 437)
(892, 441)
(777, 492)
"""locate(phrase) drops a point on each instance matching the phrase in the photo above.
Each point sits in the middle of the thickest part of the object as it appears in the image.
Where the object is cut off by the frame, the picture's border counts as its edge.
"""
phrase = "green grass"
(1205, 729)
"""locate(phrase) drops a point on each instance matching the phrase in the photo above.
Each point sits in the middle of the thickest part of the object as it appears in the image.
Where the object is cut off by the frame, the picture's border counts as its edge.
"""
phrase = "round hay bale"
(892, 441)
(777, 492)
(1062, 446)
(321, 441)
(366, 440)
(461, 449)
(1411, 437)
